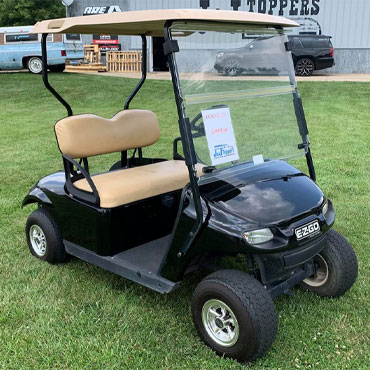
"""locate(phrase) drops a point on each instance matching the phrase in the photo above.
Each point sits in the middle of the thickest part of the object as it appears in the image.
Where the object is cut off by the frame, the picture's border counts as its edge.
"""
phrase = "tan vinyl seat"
(120, 187)
(88, 135)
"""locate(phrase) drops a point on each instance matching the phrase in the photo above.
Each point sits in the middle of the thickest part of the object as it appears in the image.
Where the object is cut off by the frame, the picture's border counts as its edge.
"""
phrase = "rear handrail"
(45, 75)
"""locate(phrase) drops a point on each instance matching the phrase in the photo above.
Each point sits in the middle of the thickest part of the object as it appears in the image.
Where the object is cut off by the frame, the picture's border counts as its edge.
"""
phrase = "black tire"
(52, 250)
(251, 305)
(337, 264)
(34, 65)
(232, 67)
(304, 67)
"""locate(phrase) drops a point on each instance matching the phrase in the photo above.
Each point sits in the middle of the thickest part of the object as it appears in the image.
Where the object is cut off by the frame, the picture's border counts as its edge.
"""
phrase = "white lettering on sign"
(113, 9)
(101, 9)
(220, 135)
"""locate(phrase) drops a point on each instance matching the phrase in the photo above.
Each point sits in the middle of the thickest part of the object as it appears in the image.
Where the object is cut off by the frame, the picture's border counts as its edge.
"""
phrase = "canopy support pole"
(143, 72)
(45, 75)
(188, 146)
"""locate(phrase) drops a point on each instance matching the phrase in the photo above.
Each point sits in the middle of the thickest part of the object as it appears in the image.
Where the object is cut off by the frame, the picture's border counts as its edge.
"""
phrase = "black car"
(309, 52)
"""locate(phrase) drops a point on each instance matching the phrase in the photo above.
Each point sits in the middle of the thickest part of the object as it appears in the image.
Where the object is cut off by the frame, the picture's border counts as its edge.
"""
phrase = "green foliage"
(28, 12)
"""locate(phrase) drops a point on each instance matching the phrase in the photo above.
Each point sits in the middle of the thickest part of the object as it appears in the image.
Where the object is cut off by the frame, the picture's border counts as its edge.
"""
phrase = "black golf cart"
(227, 191)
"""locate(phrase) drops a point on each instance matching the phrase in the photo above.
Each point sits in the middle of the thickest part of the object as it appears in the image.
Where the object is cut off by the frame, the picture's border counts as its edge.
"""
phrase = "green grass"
(79, 316)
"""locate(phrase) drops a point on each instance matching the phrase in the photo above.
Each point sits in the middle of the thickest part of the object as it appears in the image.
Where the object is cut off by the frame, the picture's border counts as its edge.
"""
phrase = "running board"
(119, 266)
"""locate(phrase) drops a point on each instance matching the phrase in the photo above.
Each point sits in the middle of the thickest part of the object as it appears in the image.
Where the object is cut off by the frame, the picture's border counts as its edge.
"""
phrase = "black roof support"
(188, 146)
(143, 72)
(45, 75)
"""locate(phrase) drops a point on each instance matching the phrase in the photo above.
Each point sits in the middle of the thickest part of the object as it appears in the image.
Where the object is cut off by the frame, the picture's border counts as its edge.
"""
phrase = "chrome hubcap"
(35, 65)
(321, 275)
(38, 240)
(305, 67)
(220, 322)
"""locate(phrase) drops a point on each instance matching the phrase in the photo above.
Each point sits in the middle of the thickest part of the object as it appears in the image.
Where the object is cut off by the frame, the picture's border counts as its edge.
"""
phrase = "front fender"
(36, 195)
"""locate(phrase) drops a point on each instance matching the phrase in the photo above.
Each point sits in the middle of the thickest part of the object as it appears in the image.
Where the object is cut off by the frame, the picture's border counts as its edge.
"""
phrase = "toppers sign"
(294, 7)
(89, 10)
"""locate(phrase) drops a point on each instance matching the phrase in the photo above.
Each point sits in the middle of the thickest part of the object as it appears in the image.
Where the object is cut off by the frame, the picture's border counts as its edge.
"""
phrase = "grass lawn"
(79, 316)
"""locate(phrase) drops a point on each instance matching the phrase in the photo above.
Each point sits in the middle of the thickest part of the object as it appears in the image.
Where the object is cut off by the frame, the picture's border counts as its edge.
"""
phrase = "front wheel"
(34, 65)
(232, 67)
(234, 315)
(336, 268)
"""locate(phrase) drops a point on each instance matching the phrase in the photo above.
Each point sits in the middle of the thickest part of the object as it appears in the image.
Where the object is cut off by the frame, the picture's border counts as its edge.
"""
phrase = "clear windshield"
(238, 94)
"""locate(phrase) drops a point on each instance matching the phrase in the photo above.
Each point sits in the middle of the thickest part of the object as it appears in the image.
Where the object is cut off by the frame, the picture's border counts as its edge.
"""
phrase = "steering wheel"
(197, 125)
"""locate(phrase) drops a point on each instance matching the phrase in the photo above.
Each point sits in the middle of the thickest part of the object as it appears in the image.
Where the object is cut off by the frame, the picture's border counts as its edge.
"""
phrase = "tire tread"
(257, 302)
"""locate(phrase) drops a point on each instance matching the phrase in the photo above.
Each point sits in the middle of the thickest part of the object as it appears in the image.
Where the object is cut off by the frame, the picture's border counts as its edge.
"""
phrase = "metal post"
(143, 72)
(187, 145)
(45, 75)
(299, 111)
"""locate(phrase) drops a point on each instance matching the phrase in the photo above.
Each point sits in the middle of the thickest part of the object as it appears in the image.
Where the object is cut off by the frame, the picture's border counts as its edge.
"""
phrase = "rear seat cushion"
(120, 187)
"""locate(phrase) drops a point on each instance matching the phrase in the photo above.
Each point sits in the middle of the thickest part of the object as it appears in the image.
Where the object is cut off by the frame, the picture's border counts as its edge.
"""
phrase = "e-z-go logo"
(101, 9)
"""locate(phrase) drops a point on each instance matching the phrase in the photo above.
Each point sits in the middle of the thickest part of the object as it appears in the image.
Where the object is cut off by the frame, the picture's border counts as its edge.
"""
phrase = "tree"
(28, 12)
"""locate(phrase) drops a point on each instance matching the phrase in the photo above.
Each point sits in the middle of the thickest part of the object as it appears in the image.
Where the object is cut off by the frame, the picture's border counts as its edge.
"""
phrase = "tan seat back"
(86, 135)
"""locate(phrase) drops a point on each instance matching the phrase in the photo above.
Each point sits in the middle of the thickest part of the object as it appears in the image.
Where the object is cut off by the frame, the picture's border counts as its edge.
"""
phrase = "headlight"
(258, 236)
(219, 55)
(325, 208)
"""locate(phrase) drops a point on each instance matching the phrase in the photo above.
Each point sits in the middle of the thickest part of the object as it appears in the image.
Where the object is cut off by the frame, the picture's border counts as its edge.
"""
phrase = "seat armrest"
(176, 155)
(69, 164)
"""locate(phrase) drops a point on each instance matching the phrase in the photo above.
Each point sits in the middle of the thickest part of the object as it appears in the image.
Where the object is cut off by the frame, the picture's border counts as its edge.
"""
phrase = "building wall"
(347, 21)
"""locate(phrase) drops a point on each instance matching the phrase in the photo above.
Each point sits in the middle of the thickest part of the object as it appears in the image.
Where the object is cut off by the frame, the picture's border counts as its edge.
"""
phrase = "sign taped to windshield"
(220, 135)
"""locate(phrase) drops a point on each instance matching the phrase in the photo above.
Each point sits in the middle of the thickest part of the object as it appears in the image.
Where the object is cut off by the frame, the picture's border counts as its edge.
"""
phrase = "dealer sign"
(89, 10)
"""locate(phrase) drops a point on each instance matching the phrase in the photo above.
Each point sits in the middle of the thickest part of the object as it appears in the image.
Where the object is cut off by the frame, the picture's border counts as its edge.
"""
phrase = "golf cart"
(229, 190)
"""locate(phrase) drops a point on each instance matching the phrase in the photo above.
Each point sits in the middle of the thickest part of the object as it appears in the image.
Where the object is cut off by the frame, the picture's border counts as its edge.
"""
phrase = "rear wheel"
(304, 67)
(44, 238)
(336, 268)
(234, 315)
(34, 65)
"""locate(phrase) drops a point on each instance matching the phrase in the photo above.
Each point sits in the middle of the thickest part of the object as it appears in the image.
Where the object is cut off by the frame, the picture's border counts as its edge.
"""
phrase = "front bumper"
(218, 67)
(276, 267)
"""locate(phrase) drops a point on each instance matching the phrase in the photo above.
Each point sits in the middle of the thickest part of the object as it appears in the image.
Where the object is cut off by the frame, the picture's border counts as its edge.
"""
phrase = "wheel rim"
(321, 275)
(232, 68)
(35, 65)
(220, 323)
(38, 240)
(305, 67)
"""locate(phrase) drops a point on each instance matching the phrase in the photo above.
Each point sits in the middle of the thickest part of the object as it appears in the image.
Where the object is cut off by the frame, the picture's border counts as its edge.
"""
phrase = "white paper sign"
(220, 135)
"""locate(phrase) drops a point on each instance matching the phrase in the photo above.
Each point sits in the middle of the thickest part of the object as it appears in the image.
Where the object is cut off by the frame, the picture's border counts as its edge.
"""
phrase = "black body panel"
(106, 231)
(234, 200)
(274, 195)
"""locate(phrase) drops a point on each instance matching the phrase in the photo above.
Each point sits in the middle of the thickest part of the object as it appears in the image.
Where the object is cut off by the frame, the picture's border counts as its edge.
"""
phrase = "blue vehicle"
(20, 49)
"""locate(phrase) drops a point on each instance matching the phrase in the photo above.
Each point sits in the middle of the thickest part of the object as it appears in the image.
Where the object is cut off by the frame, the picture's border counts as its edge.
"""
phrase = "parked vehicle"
(232, 191)
(21, 49)
(309, 52)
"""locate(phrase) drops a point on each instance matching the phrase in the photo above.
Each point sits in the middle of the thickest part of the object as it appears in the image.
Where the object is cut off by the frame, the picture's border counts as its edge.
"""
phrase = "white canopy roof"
(151, 22)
